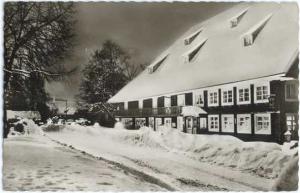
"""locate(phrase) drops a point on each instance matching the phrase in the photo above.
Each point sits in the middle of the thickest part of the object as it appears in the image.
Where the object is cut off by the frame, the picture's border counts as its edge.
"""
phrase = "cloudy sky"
(143, 29)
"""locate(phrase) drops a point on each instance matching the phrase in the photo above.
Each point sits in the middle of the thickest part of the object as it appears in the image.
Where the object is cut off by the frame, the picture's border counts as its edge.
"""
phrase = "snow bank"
(119, 125)
(29, 128)
(261, 158)
(288, 179)
(264, 159)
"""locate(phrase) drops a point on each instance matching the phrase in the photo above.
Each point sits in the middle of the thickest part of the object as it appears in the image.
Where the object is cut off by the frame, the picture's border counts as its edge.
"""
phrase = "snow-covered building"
(235, 73)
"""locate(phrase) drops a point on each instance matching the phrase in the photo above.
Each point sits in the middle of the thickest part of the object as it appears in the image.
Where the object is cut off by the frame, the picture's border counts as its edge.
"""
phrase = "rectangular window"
(244, 123)
(244, 95)
(140, 122)
(262, 93)
(127, 122)
(291, 122)
(147, 103)
(161, 101)
(174, 100)
(199, 100)
(189, 99)
(227, 97)
(228, 123)
(291, 91)
(213, 123)
(213, 98)
(133, 104)
(262, 124)
(120, 106)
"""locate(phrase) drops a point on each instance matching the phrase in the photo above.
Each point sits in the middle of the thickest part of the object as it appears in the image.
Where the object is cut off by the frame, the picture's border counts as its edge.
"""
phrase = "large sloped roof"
(223, 58)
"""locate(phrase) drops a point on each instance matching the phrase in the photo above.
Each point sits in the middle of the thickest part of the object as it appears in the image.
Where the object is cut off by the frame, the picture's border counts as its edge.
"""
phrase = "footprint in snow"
(50, 183)
(103, 183)
(11, 176)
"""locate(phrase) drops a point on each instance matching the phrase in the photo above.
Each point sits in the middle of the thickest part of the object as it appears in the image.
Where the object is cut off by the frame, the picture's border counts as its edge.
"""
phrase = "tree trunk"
(5, 89)
(5, 123)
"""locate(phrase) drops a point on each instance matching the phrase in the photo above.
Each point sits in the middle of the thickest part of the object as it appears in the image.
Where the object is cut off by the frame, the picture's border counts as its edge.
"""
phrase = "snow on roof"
(193, 111)
(224, 58)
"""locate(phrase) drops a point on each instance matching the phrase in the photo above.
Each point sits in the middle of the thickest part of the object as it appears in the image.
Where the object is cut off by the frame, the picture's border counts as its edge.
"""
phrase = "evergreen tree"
(107, 71)
(103, 75)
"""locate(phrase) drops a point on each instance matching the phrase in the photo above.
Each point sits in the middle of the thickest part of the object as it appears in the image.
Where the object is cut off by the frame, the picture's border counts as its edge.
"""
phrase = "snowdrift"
(263, 159)
(288, 179)
(24, 126)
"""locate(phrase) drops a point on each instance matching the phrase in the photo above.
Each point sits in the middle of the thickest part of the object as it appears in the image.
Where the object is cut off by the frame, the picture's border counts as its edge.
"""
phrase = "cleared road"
(38, 164)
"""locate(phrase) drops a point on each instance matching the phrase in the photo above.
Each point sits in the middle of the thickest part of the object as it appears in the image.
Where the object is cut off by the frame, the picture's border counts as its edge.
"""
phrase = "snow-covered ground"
(35, 163)
(183, 161)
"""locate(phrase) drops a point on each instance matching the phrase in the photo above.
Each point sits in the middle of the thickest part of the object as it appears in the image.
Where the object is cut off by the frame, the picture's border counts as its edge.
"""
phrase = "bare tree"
(132, 70)
(37, 36)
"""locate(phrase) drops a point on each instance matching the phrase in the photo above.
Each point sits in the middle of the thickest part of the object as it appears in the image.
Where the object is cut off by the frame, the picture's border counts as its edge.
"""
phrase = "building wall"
(230, 102)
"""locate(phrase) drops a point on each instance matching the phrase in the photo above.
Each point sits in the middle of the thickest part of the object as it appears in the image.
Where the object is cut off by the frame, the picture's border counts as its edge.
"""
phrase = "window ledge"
(244, 103)
(227, 104)
(261, 101)
(212, 105)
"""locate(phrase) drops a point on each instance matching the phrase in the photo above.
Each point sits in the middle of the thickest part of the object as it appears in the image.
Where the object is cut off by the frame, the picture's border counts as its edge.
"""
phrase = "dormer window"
(251, 35)
(192, 53)
(153, 67)
(236, 19)
(192, 37)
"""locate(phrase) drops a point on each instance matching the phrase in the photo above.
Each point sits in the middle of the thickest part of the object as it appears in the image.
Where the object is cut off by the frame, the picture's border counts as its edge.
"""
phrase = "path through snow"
(34, 163)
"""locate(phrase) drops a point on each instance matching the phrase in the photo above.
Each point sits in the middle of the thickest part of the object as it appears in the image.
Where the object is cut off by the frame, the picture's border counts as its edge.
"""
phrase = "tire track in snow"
(146, 177)
(154, 180)
(183, 181)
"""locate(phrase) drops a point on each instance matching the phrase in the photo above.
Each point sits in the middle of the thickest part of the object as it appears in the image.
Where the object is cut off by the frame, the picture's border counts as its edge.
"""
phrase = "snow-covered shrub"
(25, 126)
(19, 127)
(82, 121)
(52, 128)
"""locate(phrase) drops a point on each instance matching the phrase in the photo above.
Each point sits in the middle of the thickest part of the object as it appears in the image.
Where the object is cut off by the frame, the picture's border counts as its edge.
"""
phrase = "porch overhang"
(192, 111)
